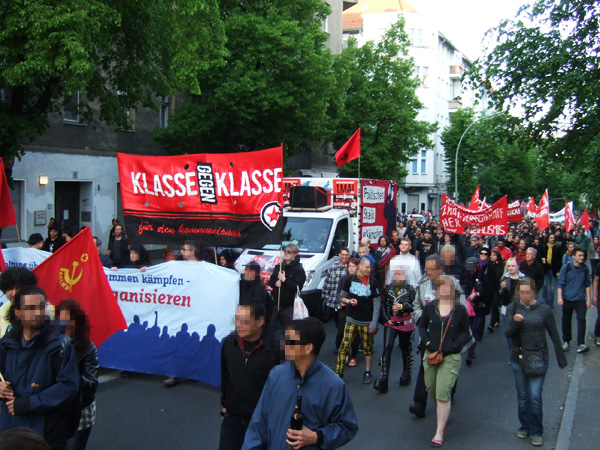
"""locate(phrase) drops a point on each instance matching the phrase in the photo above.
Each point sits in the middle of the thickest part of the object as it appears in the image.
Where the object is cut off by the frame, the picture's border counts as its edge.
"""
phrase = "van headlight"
(309, 276)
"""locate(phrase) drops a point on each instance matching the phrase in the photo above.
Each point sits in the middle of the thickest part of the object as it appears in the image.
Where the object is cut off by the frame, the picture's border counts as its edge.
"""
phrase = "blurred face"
(65, 317)
(474, 242)
(511, 267)
(399, 276)
(427, 236)
(526, 295)
(432, 270)
(295, 349)
(522, 244)
(249, 274)
(365, 268)
(187, 253)
(289, 255)
(530, 255)
(570, 247)
(493, 257)
(344, 257)
(418, 232)
(134, 256)
(352, 268)
(552, 239)
(394, 236)
(484, 254)
(118, 230)
(445, 291)
(222, 261)
(33, 311)
(404, 247)
(246, 326)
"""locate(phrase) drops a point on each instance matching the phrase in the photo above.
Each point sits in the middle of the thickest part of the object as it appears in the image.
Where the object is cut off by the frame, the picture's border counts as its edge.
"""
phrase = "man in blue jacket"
(39, 367)
(328, 415)
(574, 293)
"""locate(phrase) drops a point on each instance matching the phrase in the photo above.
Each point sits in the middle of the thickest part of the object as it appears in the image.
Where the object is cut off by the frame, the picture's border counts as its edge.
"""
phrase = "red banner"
(530, 206)
(542, 216)
(584, 220)
(226, 200)
(7, 217)
(491, 221)
(569, 217)
(75, 271)
(514, 213)
(474, 205)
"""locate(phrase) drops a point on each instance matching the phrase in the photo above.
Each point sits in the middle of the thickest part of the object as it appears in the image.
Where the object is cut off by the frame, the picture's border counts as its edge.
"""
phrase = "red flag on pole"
(75, 271)
(569, 217)
(349, 151)
(530, 205)
(7, 212)
(584, 220)
(542, 217)
(474, 205)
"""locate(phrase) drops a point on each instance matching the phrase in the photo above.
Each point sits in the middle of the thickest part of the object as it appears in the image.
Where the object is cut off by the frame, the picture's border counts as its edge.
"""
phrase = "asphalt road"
(137, 412)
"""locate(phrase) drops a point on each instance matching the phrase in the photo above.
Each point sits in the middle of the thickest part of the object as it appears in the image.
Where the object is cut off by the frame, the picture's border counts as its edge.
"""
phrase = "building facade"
(439, 65)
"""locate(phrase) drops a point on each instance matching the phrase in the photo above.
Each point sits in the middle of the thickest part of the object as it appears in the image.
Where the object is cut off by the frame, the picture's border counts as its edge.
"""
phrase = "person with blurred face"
(32, 349)
(531, 268)
(11, 282)
(245, 367)
(361, 295)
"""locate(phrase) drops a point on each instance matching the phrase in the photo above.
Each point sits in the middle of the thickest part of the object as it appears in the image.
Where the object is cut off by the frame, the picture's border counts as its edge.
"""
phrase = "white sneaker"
(598, 341)
(566, 347)
(583, 349)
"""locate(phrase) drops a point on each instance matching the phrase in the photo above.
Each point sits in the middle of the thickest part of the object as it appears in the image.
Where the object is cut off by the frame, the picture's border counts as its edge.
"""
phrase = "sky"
(465, 22)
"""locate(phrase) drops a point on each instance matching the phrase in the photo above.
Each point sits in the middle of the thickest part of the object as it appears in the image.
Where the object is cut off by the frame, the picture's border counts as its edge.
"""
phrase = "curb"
(568, 418)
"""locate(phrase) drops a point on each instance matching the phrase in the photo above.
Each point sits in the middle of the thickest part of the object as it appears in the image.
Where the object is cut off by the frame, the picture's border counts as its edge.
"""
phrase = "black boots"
(405, 378)
(381, 384)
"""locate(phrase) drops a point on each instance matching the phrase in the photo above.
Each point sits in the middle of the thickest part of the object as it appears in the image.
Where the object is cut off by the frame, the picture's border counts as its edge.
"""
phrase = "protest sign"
(490, 221)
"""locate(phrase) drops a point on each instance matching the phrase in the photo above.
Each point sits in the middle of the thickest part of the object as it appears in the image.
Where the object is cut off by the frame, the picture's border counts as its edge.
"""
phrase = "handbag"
(436, 358)
(300, 309)
(532, 362)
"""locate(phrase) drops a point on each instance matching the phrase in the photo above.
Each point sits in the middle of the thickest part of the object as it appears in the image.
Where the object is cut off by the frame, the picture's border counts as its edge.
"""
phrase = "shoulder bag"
(435, 358)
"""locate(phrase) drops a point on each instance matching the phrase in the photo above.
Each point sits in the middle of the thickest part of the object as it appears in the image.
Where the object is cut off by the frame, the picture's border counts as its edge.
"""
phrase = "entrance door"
(66, 203)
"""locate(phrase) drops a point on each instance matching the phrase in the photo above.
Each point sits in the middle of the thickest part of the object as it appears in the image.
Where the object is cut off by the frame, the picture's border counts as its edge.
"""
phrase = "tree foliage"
(274, 87)
(547, 64)
(120, 53)
(376, 90)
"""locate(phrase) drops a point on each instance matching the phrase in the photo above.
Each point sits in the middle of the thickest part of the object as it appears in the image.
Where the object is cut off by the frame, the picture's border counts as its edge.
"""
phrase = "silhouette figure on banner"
(153, 350)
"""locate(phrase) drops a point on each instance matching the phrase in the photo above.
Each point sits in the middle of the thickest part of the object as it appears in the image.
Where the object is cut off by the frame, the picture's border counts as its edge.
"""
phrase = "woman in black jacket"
(527, 323)
(77, 326)
(493, 276)
(444, 325)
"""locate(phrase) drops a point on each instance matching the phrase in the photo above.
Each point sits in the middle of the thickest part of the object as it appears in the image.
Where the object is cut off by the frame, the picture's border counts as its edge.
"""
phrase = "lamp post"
(458, 147)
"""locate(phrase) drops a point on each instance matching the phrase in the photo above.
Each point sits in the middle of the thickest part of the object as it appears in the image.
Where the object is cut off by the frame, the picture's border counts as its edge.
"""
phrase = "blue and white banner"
(178, 313)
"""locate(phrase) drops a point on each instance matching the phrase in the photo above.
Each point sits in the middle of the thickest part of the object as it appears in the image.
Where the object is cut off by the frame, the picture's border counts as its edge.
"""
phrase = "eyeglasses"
(290, 252)
(484, 254)
(294, 342)
(243, 321)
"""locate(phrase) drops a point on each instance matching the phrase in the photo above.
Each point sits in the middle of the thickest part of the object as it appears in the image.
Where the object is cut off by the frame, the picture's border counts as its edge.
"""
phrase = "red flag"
(584, 220)
(349, 151)
(75, 271)
(530, 205)
(542, 217)
(7, 217)
(474, 205)
(569, 218)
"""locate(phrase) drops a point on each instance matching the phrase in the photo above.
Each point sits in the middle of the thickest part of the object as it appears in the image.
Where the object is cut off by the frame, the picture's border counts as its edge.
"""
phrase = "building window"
(5, 94)
(128, 111)
(71, 110)
(163, 119)
(415, 36)
(423, 162)
(415, 166)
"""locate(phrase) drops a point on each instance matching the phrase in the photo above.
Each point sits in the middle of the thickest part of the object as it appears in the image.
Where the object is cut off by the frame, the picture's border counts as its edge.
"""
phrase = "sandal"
(352, 362)
(437, 442)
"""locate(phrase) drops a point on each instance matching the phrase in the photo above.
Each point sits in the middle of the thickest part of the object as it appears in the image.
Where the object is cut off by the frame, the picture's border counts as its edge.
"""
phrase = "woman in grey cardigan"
(526, 324)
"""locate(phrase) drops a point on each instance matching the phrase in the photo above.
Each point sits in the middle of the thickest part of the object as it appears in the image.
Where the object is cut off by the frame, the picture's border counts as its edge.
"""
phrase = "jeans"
(580, 309)
(79, 441)
(549, 288)
(529, 400)
(233, 431)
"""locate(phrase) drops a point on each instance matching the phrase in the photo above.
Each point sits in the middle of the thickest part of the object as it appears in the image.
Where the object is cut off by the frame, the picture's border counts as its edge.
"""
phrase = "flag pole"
(359, 167)
(18, 236)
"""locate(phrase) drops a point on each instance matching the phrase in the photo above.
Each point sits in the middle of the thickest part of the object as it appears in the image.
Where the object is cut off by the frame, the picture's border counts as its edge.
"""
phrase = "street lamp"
(458, 147)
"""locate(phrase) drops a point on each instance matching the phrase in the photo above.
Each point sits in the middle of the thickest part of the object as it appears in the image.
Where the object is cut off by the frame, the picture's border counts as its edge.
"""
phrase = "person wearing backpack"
(82, 415)
(574, 294)
(39, 369)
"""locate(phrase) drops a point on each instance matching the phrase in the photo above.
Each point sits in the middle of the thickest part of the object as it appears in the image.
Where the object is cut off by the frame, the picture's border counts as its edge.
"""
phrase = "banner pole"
(18, 236)
(280, 269)
(359, 167)
(216, 261)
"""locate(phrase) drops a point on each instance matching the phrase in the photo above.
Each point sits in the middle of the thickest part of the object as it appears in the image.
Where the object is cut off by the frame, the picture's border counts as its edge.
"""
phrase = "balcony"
(456, 72)
(455, 104)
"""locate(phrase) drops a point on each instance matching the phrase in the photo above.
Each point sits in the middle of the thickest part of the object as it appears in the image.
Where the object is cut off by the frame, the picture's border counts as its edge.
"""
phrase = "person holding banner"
(286, 280)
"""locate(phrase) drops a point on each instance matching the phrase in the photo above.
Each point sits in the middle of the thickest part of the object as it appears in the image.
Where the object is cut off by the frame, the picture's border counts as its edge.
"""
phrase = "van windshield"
(308, 233)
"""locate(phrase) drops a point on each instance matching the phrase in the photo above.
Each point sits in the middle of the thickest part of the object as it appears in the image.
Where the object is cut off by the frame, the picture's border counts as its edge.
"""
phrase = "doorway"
(66, 203)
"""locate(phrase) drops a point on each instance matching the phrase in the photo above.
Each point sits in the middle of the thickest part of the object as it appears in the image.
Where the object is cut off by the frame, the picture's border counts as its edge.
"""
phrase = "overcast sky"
(465, 22)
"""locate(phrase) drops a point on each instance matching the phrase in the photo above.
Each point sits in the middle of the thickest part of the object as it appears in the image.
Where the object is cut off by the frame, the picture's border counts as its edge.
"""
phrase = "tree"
(495, 154)
(547, 63)
(378, 93)
(273, 88)
(117, 53)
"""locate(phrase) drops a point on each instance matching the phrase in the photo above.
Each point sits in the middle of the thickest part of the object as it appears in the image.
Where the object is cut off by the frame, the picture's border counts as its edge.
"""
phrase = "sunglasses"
(484, 253)
(289, 252)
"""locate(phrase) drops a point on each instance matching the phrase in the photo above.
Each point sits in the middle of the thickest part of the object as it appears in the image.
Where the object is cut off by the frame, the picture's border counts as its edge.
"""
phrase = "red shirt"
(505, 252)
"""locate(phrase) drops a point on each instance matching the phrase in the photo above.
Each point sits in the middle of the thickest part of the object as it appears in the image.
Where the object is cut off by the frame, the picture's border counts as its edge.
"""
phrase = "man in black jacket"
(245, 367)
(253, 291)
(286, 280)
(533, 269)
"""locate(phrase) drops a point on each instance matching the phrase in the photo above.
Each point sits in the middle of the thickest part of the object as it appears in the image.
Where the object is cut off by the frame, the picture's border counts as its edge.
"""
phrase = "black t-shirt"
(597, 274)
(425, 249)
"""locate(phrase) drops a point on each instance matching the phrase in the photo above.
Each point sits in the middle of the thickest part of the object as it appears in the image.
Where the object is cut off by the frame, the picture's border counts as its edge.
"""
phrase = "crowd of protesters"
(449, 288)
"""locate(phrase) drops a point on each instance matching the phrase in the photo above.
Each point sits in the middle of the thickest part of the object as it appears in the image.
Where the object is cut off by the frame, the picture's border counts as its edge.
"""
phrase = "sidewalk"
(579, 427)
